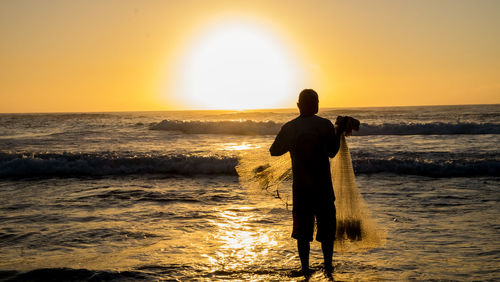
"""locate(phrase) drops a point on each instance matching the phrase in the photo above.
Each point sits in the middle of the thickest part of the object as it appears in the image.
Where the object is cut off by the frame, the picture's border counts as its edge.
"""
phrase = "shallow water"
(211, 227)
(102, 196)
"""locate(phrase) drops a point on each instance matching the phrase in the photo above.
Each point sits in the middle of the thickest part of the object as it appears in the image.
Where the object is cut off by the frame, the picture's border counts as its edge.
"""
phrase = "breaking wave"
(250, 127)
(220, 127)
(108, 164)
(102, 164)
(434, 168)
(435, 128)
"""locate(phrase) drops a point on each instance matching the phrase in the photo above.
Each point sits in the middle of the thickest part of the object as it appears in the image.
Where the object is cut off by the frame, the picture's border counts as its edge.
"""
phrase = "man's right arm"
(281, 144)
(334, 140)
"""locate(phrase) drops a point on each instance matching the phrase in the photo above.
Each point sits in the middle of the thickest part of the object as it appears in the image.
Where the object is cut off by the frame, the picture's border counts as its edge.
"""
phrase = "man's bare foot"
(328, 271)
(298, 273)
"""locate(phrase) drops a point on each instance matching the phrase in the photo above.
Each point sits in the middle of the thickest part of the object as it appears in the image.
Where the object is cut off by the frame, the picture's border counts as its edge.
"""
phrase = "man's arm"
(281, 144)
(333, 143)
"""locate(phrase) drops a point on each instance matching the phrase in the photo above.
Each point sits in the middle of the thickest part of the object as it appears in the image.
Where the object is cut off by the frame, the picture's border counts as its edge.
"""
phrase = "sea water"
(155, 195)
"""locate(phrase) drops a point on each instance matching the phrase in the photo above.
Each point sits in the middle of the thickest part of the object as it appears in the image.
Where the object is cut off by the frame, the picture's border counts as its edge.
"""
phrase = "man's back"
(310, 141)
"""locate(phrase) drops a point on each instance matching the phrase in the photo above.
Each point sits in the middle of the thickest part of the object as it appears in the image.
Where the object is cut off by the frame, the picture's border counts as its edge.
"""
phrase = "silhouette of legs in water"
(304, 248)
(327, 248)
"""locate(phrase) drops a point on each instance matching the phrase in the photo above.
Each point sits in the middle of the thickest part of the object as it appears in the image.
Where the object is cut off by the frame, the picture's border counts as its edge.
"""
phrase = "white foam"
(250, 127)
(102, 164)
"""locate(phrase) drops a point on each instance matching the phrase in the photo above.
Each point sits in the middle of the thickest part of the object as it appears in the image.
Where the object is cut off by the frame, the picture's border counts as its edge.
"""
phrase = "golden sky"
(78, 56)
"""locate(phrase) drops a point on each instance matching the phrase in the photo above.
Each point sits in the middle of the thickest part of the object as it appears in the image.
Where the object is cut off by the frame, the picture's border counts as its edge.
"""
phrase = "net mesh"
(356, 230)
(260, 172)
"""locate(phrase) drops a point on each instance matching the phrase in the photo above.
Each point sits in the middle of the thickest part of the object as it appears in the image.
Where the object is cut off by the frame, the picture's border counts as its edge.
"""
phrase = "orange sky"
(67, 56)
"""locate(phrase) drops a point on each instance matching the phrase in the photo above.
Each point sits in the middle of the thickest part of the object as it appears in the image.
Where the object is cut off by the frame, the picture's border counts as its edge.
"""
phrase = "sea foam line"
(107, 164)
(69, 165)
(250, 127)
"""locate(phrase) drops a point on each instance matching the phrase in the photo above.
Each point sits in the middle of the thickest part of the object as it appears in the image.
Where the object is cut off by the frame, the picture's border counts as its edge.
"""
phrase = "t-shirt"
(311, 140)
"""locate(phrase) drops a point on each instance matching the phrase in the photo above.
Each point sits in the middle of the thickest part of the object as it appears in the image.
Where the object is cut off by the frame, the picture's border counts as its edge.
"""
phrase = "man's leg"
(327, 248)
(326, 233)
(303, 246)
(303, 230)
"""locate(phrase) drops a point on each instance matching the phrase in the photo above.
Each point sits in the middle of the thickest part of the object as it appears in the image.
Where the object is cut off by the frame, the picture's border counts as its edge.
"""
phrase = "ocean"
(156, 195)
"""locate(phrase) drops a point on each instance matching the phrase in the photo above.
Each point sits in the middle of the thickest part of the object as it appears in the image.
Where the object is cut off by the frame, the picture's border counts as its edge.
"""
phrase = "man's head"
(308, 102)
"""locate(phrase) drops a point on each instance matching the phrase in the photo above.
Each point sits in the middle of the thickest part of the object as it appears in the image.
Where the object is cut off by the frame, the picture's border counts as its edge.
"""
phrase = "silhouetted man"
(311, 141)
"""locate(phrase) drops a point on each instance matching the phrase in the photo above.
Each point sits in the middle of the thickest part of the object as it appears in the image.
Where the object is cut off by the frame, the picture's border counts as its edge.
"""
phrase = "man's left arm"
(281, 144)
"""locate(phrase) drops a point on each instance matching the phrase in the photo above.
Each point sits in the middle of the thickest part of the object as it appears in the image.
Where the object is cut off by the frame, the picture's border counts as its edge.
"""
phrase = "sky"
(88, 56)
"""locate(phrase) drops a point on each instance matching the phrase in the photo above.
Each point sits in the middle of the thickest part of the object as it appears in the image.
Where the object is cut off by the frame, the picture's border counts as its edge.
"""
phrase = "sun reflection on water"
(241, 243)
(239, 146)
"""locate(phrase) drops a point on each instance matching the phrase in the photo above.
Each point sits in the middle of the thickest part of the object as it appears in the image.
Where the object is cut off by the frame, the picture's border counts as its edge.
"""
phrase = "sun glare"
(238, 66)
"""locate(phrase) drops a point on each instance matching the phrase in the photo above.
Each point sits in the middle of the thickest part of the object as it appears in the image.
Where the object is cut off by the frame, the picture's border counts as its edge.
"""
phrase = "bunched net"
(355, 227)
(356, 230)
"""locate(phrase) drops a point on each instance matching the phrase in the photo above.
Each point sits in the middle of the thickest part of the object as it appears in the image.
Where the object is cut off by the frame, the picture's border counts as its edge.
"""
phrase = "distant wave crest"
(250, 127)
(437, 128)
(102, 164)
(433, 168)
(108, 164)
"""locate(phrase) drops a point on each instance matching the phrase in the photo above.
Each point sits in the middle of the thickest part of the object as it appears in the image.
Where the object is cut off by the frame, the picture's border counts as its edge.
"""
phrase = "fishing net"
(259, 172)
(356, 230)
(355, 227)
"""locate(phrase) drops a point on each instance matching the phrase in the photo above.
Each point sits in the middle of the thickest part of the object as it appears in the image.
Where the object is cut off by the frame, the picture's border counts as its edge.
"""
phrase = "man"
(311, 141)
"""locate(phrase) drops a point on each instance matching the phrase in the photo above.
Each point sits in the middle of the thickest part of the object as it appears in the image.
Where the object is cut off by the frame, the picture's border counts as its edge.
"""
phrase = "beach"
(156, 195)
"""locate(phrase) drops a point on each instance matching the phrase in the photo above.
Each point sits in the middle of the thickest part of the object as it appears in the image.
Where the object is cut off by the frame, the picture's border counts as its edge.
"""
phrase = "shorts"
(303, 223)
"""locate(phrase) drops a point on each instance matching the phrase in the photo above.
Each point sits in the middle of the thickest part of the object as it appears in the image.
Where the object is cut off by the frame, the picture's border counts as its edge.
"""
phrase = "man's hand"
(340, 125)
(346, 124)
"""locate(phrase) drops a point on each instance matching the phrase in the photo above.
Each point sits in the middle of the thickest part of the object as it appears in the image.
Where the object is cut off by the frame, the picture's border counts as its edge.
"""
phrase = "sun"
(238, 65)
